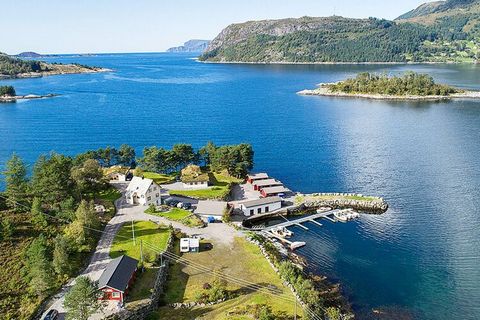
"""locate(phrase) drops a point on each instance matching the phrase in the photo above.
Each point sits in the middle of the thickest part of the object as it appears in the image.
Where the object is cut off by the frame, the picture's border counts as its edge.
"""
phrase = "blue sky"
(82, 26)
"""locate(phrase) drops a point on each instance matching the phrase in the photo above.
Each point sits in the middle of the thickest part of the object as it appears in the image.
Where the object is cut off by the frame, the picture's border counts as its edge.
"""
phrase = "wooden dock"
(298, 222)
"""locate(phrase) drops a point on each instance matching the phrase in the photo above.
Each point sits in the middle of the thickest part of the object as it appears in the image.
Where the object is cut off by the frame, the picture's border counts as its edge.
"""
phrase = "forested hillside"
(439, 31)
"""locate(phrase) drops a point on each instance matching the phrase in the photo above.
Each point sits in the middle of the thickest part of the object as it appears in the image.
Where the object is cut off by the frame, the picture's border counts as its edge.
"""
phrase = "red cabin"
(251, 178)
(117, 278)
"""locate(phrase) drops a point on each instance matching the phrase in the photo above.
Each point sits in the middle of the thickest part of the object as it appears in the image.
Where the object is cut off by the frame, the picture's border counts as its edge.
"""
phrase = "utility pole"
(141, 252)
(295, 312)
(133, 235)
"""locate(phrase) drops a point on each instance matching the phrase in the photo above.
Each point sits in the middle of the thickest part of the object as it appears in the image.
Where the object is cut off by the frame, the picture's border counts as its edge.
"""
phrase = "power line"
(187, 262)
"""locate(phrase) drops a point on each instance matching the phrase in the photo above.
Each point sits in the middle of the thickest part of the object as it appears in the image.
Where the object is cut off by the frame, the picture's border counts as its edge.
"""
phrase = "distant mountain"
(191, 46)
(29, 54)
(442, 31)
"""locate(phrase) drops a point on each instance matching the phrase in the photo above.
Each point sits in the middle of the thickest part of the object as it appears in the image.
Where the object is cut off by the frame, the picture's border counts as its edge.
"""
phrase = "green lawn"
(185, 282)
(147, 231)
(220, 187)
(151, 233)
(177, 214)
(160, 178)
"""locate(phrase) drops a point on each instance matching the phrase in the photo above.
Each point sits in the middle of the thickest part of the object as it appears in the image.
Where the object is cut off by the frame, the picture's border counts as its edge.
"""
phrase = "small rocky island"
(8, 94)
(409, 86)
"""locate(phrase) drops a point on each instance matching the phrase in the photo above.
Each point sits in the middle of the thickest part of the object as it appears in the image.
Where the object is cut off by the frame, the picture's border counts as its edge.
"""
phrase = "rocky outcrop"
(340, 200)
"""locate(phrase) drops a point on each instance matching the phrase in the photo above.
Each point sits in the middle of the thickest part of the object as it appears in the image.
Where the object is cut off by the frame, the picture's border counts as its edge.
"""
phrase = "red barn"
(117, 278)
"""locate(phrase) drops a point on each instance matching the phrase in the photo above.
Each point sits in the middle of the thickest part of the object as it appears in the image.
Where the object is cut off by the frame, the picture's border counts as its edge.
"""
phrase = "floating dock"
(328, 215)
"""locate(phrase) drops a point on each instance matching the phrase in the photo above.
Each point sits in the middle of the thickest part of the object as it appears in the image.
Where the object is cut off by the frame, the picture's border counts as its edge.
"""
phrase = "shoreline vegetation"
(409, 86)
(15, 68)
(8, 94)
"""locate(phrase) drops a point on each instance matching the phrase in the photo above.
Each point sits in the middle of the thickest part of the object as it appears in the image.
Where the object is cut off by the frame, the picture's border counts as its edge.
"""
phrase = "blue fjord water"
(421, 259)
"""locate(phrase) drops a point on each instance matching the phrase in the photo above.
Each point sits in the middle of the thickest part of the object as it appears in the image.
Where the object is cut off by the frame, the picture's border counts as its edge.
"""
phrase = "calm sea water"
(421, 258)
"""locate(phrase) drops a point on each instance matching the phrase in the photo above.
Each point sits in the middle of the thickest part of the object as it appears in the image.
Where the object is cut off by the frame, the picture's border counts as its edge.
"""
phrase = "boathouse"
(117, 278)
(251, 178)
(274, 191)
(260, 184)
(259, 206)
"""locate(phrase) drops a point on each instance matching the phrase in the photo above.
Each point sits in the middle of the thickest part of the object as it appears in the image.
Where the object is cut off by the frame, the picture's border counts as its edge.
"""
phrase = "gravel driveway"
(221, 233)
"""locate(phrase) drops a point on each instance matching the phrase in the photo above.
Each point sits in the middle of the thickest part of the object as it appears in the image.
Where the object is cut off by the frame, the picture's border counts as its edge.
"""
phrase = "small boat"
(282, 232)
(346, 215)
(297, 244)
(323, 209)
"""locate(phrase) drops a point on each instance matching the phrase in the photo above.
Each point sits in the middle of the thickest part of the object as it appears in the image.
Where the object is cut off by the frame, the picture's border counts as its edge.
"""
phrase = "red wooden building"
(274, 191)
(251, 178)
(117, 278)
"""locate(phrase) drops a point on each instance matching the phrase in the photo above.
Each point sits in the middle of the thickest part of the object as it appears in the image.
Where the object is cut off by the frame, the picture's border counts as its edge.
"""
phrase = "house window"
(115, 294)
(259, 210)
(267, 209)
(143, 196)
(157, 195)
(149, 198)
(154, 188)
(251, 211)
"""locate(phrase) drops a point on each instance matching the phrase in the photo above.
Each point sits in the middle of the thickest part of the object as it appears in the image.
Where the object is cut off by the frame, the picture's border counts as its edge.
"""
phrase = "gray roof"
(262, 201)
(279, 189)
(260, 175)
(118, 273)
(267, 182)
(139, 185)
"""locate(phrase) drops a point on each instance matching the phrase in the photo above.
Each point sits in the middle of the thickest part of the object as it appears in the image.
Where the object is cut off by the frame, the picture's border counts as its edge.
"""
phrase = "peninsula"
(409, 86)
(11, 67)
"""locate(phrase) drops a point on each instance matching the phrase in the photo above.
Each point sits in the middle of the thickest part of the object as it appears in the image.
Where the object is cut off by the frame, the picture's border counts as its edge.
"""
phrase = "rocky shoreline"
(27, 97)
(324, 91)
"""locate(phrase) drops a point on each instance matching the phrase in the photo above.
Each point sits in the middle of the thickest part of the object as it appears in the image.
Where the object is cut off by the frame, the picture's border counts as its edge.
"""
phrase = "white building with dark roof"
(143, 191)
(259, 206)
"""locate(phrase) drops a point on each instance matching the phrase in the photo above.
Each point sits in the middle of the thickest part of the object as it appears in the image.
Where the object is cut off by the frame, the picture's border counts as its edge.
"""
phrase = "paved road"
(220, 233)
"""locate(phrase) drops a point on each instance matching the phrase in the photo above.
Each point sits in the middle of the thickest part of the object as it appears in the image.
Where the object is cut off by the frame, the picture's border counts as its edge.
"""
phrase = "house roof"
(118, 273)
(210, 207)
(139, 185)
(273, 190)
(261, 201)
(267, 182)
(260, 175)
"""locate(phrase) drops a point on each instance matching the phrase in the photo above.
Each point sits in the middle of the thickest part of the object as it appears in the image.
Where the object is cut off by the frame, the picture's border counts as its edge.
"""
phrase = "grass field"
(220, 188)
(184, 216)
(184, 282)
(107, 199)
(148, 232)
(160, 178)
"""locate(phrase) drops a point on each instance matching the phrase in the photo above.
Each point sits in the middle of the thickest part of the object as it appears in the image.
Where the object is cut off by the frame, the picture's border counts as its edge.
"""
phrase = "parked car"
(51, 315)
(186, 205)
(171, 202)
(180, 205)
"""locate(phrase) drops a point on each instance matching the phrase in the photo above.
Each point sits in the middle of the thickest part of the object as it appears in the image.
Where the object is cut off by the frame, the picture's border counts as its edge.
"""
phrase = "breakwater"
(308, 202)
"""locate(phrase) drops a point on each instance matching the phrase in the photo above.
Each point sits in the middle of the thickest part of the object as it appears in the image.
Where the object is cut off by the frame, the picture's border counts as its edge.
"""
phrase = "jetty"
(268, 231)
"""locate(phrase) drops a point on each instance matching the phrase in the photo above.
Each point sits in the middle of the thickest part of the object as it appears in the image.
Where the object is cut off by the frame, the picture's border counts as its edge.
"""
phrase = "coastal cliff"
(191, 46)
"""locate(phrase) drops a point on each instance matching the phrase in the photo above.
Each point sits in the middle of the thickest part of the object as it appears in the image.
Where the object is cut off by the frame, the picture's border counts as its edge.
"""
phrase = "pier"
(269, 231)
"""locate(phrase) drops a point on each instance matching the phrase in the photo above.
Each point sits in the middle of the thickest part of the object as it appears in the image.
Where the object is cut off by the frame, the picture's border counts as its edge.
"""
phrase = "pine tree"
(61, 251)
(82, 300)
(38, 269)
(7, 229)
(16, 183)
(38, 217)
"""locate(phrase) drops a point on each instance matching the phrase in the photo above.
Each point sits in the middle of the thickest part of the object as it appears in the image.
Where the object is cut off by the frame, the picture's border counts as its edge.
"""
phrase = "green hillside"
(444, 31)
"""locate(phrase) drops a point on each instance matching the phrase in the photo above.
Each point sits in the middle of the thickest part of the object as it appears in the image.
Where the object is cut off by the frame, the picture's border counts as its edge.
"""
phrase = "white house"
(143, 191)
(201, 183)
(262, 205)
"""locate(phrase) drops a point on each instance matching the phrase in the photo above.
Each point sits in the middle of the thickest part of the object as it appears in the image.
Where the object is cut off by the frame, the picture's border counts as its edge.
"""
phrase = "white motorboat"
(323, 209)
(346, 215)
(282, 232)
